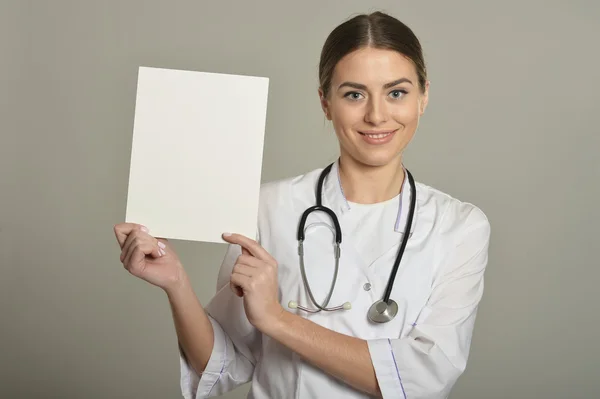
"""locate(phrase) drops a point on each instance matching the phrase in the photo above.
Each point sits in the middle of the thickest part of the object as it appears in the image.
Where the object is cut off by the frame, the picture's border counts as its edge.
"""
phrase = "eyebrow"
(359, 86)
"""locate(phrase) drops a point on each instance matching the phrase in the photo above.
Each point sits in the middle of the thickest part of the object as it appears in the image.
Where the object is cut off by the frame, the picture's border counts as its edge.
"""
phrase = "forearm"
(342, 356)
(194, 329)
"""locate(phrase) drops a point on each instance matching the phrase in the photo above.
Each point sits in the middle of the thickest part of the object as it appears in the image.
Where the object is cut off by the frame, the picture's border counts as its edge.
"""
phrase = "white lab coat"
(419, 354)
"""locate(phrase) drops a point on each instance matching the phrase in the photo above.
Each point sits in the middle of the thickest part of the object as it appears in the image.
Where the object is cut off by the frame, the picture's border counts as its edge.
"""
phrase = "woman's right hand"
(149, 258)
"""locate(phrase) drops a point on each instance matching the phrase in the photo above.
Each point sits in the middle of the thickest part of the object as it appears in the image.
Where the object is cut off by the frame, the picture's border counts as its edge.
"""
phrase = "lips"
(378, 137)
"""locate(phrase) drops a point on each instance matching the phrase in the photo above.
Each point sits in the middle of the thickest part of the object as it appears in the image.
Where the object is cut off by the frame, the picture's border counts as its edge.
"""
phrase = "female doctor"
(409, 277)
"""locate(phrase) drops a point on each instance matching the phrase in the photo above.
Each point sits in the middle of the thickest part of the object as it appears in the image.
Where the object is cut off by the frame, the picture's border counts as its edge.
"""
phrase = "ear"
(424, 99)
(324, 104)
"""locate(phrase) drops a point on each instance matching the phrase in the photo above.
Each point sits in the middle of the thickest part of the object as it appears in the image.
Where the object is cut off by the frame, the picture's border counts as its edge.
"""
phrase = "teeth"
(377, 136)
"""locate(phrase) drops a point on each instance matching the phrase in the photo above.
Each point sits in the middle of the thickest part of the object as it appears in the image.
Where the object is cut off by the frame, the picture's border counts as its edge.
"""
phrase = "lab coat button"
(367, 286)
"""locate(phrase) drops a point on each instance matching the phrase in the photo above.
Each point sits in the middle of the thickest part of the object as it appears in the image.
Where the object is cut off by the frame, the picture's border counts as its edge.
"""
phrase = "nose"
(376, 112)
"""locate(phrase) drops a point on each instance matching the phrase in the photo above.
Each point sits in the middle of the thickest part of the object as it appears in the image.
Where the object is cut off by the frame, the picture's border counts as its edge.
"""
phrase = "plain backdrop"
(512, 126)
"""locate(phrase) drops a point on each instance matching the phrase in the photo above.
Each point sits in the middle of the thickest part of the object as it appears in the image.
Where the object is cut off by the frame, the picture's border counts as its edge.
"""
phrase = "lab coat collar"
(334, 198)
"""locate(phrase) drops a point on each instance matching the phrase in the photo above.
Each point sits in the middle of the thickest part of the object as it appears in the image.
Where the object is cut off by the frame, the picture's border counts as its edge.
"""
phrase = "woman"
(373, 87)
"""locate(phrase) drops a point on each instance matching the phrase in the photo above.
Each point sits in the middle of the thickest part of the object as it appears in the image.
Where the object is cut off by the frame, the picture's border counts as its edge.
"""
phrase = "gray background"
(512, 126)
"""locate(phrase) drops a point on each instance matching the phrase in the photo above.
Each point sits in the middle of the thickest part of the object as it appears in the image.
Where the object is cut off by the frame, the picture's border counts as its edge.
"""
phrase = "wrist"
(274, 322)
(177, 285)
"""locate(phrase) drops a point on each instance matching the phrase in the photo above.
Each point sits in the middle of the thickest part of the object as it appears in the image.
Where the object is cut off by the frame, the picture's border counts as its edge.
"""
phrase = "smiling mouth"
(377, 135)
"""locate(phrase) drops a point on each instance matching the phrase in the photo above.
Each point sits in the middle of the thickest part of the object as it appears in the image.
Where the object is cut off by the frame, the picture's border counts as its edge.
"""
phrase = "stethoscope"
(380, 311)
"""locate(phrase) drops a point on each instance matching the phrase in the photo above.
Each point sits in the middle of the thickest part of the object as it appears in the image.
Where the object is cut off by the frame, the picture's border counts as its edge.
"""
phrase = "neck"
(366, 184)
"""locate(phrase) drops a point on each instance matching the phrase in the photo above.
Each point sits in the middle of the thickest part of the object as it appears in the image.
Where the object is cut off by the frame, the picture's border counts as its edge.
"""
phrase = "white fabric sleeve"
(236, 342)
(430, 359)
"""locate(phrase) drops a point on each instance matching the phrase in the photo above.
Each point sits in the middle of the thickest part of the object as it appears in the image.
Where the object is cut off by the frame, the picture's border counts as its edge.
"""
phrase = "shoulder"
(460, 230)
(453, 216)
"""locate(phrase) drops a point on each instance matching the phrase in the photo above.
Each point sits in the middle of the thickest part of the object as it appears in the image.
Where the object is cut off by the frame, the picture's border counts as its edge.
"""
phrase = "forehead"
(374, 66)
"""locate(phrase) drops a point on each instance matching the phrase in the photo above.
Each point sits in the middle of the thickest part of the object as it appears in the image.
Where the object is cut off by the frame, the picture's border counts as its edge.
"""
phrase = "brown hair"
(377, 30)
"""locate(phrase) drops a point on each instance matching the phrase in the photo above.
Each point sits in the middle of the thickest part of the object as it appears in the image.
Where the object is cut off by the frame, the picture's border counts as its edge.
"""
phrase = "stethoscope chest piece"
(382, 312)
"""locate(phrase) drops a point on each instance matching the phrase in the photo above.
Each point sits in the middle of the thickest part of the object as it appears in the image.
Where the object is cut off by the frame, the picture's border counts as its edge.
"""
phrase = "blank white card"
(196, 154)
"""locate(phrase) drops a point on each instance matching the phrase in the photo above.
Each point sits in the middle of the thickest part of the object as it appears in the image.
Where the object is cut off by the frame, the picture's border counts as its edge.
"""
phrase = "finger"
(241, 281)
(135, 261)
(245, 270)
(249, 260)
(122, 230)
(139, 238)
(145, 248)
(128, 255)
(162, 243)
(252, 246)
(132, 239)
(236, 290)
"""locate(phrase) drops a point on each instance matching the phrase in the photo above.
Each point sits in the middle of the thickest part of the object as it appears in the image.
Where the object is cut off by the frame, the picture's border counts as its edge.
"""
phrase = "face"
(374, 104)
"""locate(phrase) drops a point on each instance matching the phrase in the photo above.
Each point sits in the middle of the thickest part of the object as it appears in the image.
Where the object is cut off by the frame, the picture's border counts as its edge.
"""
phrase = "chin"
(377, 158)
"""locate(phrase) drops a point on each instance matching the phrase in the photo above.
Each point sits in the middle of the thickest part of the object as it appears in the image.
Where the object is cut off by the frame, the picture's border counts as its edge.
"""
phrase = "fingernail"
(162, 251)
(227, 234)
(162, 245)
(145, 229)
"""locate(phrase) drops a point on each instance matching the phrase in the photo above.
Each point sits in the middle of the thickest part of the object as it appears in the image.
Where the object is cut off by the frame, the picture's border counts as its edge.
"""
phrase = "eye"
(353, 95)
(397, 93)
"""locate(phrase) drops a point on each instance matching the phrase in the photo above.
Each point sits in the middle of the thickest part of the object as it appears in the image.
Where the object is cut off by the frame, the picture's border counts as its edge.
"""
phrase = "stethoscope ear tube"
(321, 208)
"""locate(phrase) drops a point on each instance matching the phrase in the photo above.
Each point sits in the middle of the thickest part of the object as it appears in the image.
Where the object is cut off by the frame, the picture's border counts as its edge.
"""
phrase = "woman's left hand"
(254, 277)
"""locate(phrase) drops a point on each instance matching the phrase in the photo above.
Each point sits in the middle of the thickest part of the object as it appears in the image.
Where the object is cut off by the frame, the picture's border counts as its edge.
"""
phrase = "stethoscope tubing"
(382, 310)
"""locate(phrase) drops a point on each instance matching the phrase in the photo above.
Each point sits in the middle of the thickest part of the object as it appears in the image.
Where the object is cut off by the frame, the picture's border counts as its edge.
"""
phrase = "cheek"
(407, 114)
(345, 117)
